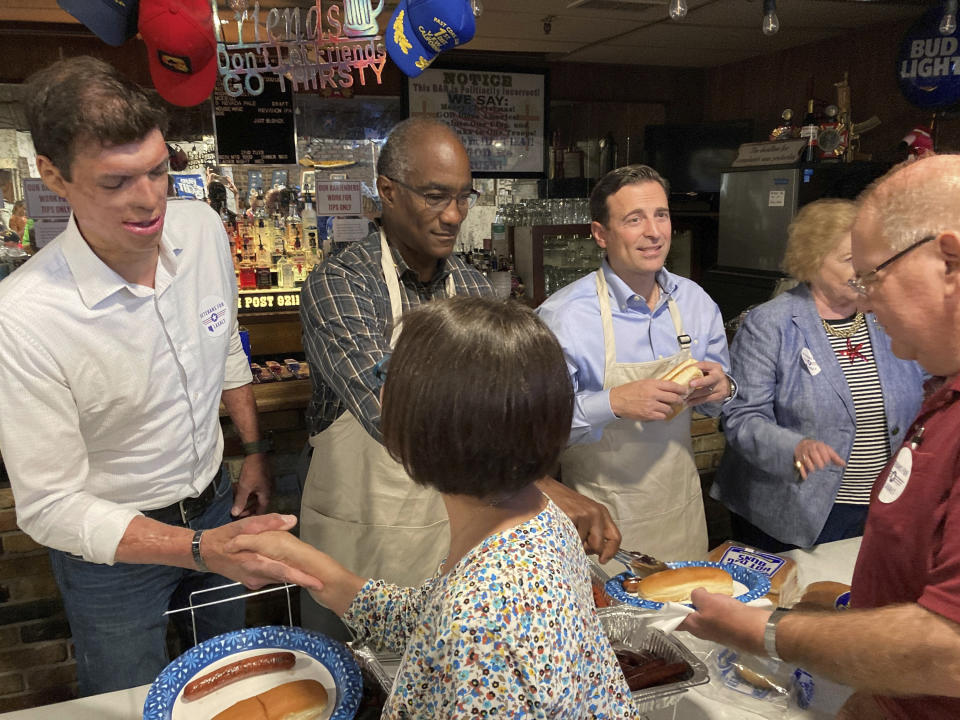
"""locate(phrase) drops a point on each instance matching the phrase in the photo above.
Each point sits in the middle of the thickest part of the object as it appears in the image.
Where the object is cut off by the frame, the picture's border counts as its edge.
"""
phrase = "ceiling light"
(771, 23)
(678, 9)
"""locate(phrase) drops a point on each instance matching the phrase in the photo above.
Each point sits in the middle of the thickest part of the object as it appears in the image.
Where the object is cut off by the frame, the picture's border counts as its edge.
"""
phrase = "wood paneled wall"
(762, 87)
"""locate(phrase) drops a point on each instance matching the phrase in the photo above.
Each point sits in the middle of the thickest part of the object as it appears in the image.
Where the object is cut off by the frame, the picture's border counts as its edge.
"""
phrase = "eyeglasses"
(860, 283)
(437, 200)
(380, 369)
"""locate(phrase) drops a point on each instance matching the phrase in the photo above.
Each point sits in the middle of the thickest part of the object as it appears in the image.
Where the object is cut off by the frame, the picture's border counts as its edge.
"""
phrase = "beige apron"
(644, 473)
(359, 505)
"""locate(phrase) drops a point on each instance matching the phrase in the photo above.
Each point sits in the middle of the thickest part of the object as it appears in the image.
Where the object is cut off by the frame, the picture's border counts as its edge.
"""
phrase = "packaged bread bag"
(782, 571)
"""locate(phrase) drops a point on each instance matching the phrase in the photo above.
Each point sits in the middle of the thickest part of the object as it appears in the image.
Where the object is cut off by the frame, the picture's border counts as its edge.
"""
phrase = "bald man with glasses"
(898, 645)
(358, 505)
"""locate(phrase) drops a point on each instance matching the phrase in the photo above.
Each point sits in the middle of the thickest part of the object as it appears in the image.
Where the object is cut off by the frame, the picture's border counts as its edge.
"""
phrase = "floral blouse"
(509, 632)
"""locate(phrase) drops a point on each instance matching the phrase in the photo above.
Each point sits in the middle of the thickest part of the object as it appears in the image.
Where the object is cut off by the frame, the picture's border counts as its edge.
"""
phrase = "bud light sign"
(928, 65)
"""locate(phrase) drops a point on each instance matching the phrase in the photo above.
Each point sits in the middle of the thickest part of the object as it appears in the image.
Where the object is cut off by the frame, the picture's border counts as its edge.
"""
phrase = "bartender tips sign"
(419, 30)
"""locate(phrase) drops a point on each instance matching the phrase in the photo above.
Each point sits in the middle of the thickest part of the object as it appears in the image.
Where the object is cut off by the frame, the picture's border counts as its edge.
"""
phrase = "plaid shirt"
(346, 318)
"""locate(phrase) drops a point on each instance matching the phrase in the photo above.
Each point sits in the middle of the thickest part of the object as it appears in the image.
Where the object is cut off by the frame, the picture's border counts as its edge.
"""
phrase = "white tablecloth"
(831, 561)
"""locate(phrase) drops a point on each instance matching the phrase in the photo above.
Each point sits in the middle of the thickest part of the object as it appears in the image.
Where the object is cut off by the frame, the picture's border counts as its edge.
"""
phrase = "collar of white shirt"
(96, 281)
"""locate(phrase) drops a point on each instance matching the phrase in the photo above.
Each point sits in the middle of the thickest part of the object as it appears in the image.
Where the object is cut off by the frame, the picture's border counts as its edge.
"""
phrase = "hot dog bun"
(682, 374)
(297, 700)
(676, 585)
(822, 595)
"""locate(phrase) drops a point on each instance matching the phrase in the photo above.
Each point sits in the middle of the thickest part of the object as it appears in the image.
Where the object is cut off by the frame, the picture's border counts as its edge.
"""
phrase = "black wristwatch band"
(195, 548)
(259, 446)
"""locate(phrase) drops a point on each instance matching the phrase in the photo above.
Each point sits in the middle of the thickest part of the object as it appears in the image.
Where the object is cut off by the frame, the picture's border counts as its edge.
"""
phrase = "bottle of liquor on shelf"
(498, 233)
(314, 251)
(810, 131)
(308, 216)
(285, 274)
(248, 273)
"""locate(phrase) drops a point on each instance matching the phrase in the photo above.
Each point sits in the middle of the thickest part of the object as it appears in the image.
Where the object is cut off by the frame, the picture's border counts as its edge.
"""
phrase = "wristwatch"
(770, 634)
(195, 549)
(733, 389)
(259, 446)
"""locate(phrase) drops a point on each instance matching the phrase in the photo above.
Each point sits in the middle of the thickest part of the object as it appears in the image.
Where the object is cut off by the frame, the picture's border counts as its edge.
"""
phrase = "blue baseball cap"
(113, 21)
(419, 30)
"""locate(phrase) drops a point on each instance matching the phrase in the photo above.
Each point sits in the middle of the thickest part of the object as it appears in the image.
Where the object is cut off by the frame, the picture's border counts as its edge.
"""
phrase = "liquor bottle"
(498, 233)
(248, 274)
(285, 274)
(810, 131)
(309, 216)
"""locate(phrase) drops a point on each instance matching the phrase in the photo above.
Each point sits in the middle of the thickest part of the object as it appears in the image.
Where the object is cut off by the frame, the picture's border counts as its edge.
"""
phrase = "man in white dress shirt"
(117, 343)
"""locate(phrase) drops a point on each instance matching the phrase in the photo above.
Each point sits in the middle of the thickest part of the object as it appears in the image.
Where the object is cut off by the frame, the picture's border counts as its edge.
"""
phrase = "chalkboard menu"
(256, 129)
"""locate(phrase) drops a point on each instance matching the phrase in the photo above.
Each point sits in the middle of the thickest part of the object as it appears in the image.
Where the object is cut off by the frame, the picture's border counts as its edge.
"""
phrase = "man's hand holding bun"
(714, 386)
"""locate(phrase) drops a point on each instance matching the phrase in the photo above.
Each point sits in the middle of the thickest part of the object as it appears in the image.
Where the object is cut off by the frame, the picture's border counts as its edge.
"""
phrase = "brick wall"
(707, 441)
(36, 655)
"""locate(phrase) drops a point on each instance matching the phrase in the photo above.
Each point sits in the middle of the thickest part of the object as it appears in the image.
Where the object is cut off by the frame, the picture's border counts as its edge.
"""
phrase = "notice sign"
(339, 198)
(256, 129)
(780, 152)
(499, 115)
(42, 203)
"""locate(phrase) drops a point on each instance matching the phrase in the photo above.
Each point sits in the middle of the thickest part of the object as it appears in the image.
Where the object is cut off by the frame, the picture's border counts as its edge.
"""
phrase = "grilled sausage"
(248, 667)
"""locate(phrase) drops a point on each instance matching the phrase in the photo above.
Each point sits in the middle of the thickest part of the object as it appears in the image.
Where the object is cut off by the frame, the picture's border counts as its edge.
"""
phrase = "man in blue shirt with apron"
(622, 328)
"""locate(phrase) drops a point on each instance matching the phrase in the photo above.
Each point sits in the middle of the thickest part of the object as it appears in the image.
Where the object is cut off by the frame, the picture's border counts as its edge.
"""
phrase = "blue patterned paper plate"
(318, 656)
(757, 585)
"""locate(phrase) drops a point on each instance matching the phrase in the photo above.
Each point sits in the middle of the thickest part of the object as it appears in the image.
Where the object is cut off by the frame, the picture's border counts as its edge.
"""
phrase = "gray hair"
(394, 160)
(616, 179)
(915, 199)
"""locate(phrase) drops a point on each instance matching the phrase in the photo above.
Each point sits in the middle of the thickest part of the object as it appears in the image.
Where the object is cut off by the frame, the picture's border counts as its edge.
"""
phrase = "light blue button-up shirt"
(641, 335)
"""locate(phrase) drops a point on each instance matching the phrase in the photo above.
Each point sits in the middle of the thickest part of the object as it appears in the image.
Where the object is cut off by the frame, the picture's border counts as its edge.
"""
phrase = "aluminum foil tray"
(625, 626)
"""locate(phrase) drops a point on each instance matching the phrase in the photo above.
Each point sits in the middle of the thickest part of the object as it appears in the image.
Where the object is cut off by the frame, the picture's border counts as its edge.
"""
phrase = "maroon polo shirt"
(911, 544)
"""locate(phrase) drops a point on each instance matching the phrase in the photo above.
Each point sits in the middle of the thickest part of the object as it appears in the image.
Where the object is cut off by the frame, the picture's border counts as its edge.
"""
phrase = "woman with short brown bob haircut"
(477, 403)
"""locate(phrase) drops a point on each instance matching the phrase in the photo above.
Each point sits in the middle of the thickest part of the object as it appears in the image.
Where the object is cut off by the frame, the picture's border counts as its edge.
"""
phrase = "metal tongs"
(639, 564)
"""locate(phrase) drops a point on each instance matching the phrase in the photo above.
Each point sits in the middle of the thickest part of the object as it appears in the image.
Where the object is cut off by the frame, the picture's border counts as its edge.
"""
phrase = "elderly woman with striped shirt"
(821, 398)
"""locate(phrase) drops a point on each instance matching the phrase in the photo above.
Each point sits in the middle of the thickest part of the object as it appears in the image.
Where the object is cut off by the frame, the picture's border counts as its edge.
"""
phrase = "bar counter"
(831, 561)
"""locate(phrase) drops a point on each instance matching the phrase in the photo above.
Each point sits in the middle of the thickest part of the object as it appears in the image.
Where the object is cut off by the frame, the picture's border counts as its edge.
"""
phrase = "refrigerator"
(756, 207)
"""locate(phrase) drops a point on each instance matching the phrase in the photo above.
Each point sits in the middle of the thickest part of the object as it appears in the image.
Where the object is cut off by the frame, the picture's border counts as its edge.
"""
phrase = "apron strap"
(392, 279)
(606, 317)
(389, 268)
(684, 340)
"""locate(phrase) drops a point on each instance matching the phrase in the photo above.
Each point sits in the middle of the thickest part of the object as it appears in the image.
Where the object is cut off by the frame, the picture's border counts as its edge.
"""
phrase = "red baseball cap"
(181, 48)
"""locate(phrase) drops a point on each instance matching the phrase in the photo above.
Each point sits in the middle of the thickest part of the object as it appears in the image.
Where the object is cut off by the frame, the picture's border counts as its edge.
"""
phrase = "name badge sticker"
(213, 315)
(898, 477)
(812, 366)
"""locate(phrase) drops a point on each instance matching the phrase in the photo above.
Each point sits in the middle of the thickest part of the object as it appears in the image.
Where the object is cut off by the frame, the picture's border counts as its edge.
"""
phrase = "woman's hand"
(338, 586)
(810, 455)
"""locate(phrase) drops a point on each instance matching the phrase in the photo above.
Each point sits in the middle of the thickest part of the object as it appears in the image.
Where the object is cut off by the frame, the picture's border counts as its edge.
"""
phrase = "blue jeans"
(116, 612)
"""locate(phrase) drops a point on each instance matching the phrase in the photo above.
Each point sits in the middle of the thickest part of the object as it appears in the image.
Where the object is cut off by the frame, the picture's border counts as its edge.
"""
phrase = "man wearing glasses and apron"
(622, 328)
(359, 505)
